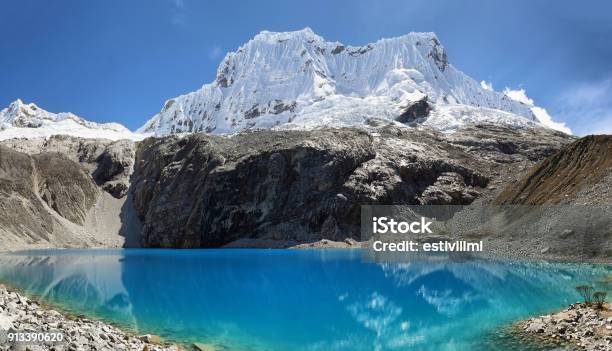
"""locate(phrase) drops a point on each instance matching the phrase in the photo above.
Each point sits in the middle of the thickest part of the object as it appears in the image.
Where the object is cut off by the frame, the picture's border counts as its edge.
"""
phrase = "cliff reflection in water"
(77, 280)
(297, 299)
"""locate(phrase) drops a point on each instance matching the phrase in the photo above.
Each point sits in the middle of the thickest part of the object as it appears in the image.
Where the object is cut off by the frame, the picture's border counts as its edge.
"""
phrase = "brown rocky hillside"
(580, 173)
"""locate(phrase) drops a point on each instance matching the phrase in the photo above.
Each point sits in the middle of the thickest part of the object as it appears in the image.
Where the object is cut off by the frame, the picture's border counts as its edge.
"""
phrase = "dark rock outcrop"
(207, 191)
(415, 112)
(217, 189)
(263, 186)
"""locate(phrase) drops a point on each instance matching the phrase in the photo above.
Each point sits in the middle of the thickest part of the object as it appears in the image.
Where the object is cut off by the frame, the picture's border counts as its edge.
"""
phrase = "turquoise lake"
(299, 299)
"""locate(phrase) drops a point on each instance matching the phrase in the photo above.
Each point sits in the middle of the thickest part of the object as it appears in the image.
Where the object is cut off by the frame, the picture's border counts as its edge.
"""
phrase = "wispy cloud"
(540, 113)
(587, 107)
(214, 53)
(178, 17)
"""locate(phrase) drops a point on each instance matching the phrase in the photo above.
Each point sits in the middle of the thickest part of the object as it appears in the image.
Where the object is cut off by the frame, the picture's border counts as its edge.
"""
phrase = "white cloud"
(486, 85)
(540, 113)
(588, 106)
(544, 118)
(519, 95)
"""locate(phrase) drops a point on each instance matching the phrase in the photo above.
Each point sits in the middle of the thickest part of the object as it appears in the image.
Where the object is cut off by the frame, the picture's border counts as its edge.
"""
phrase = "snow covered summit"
(20, 120)
(299, 80)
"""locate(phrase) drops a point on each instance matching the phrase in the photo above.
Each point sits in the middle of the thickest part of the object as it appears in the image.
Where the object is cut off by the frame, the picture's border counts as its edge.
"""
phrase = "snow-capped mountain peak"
(20, 114)
(300, 80)
(21, 120)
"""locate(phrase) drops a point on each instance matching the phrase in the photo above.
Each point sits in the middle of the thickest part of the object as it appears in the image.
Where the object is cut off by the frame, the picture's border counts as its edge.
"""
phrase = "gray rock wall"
(207, 191)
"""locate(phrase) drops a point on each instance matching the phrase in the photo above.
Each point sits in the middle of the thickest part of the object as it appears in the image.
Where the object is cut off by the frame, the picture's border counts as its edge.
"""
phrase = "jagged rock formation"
(66, 192)
(38, 190)
(110, 163)
(296, 186)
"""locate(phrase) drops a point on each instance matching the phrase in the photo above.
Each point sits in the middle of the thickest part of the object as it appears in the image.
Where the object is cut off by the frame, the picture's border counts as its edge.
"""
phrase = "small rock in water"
(150, 339)
(204, 347)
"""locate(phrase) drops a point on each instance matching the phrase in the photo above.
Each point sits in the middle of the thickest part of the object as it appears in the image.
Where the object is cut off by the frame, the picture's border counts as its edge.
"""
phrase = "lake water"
(298, 299)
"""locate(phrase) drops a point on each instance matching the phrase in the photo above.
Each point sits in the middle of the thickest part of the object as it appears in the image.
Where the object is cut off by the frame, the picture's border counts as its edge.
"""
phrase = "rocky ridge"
(578, 174)
(305, 186)
(269, 188)
(563, 205)
(110, 163)
(21, 120)
(38, 190)
(65, 192)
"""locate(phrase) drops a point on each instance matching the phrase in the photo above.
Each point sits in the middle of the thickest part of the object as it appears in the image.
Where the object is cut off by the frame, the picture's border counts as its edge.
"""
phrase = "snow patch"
(518, 95)
(486, 85)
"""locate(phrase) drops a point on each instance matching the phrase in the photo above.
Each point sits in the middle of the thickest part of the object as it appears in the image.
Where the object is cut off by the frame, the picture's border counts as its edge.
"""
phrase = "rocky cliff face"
(110, 163)
(278, 188)
(66, 192)
(296, 186)
(38, 194)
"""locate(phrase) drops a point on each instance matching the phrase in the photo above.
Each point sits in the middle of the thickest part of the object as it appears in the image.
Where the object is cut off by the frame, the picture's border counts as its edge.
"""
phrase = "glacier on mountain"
(298, 80)
(21, 120)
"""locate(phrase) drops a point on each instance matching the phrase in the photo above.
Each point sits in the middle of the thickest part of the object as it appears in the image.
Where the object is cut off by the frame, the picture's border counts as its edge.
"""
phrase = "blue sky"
(119, 61)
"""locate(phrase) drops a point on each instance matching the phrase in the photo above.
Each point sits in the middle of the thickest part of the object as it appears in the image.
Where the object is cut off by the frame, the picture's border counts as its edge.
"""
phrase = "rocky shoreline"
(21, 314)
(581, 326)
